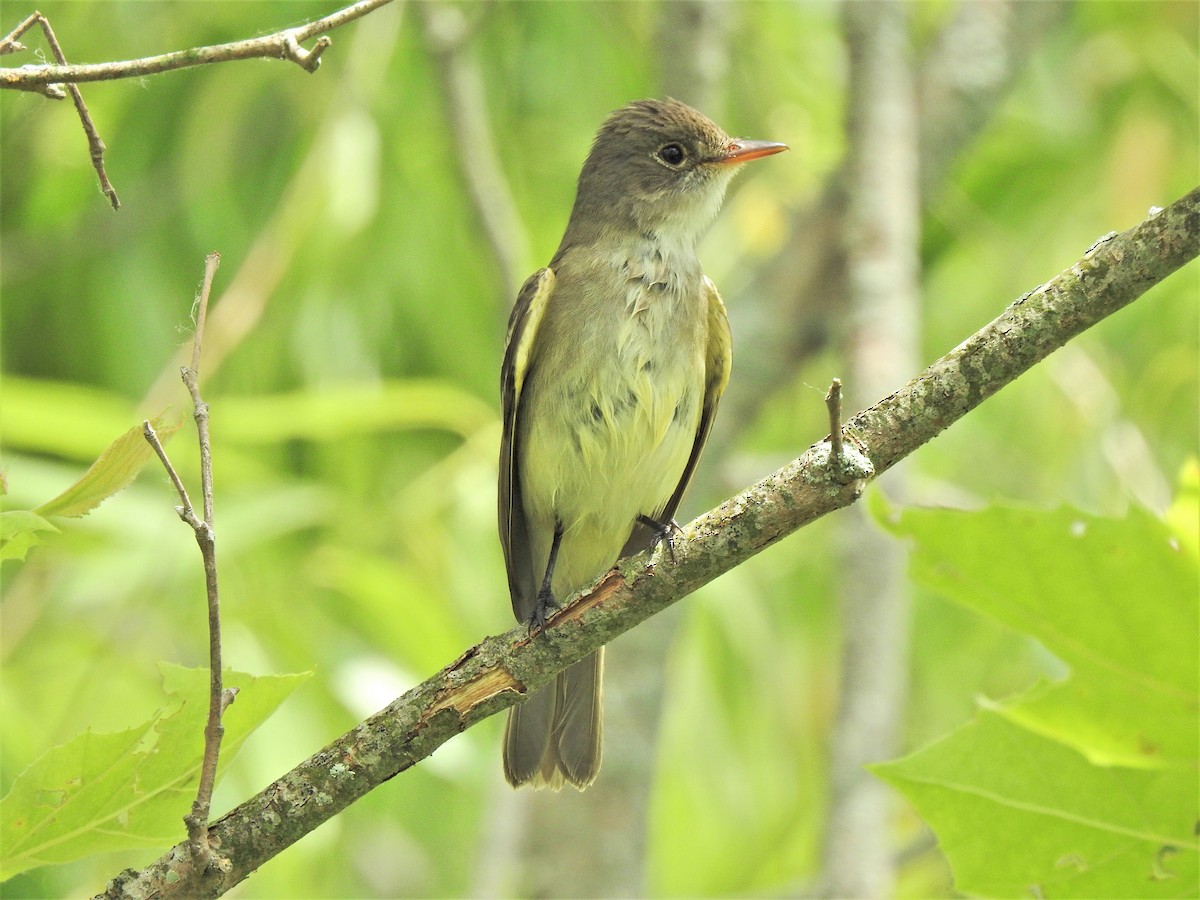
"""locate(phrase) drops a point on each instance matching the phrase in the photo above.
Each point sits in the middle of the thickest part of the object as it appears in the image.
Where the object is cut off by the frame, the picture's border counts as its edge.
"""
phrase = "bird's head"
(661, 167)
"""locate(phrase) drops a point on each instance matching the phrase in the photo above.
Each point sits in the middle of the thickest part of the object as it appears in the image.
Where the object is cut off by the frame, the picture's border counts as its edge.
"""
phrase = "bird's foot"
(542, 610)
(664, 533)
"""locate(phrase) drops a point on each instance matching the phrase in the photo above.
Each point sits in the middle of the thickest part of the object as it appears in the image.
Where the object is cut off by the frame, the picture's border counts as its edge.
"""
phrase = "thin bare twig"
(185, 509)
(10, 44)
(219, 698)
(833, 401)
(283, 44)
(197, 820)
(95, 144)
(211, 262)
(191, 378)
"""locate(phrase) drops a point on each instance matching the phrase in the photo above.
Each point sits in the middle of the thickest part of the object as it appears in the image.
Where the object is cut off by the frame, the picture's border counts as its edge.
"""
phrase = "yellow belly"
(615, 450)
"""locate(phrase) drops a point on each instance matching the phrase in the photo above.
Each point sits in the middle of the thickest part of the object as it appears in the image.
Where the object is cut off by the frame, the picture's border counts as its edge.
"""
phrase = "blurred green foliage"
(351, 365)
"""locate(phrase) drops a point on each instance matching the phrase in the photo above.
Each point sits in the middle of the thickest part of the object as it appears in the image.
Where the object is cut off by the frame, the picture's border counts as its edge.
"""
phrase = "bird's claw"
(542, 610)
(664, 533)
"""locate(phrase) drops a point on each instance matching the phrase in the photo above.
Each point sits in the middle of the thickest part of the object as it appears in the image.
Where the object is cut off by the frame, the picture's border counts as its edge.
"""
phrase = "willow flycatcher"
(617, 354)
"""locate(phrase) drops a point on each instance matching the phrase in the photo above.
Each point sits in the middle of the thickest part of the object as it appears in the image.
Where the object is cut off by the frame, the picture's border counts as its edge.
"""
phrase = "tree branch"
(280, 45)
(833, 403)
(499, 671)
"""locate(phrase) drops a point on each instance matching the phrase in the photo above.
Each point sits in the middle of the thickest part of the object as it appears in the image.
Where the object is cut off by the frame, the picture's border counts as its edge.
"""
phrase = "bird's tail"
(555, 736)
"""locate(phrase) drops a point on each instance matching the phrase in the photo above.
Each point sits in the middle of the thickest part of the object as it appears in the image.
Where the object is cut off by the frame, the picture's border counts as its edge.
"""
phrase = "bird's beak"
(740, 151)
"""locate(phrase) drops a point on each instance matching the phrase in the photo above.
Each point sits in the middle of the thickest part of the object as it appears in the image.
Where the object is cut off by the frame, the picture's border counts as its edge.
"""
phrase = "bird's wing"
(718, 360)
(514, 373)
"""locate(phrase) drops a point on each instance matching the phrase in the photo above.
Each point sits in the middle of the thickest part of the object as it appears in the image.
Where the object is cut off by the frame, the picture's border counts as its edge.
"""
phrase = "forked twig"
(95, 145)
(219, 698)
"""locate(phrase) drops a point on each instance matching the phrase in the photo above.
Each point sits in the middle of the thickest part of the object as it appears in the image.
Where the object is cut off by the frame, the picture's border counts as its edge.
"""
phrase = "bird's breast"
(614, 409)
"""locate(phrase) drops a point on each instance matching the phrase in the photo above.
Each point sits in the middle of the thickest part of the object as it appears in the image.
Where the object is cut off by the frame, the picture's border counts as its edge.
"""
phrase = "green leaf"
(115, 468)
(129, 789)
(1114, 599)
(1019, 815)
(1083, 787)
(19, 531)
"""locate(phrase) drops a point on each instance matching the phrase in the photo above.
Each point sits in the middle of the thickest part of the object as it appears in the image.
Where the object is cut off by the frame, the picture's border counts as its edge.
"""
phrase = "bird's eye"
(672, 154)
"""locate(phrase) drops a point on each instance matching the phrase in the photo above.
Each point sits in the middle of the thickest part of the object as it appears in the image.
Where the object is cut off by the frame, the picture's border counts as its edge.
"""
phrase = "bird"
(616, 356)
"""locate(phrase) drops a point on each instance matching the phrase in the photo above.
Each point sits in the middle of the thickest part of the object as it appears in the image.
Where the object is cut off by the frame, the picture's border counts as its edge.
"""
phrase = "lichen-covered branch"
(497, 672)
(1114, 273)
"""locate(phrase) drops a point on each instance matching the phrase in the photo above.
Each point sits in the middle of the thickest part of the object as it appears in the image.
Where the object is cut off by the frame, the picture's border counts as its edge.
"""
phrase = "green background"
(352, 364)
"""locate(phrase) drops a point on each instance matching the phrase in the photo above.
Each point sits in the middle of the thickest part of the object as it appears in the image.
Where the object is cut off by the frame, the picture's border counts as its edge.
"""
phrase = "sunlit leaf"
(115, 468)
(1019, 815)
(1084, 787)
(1114, 599)
(128, 789)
